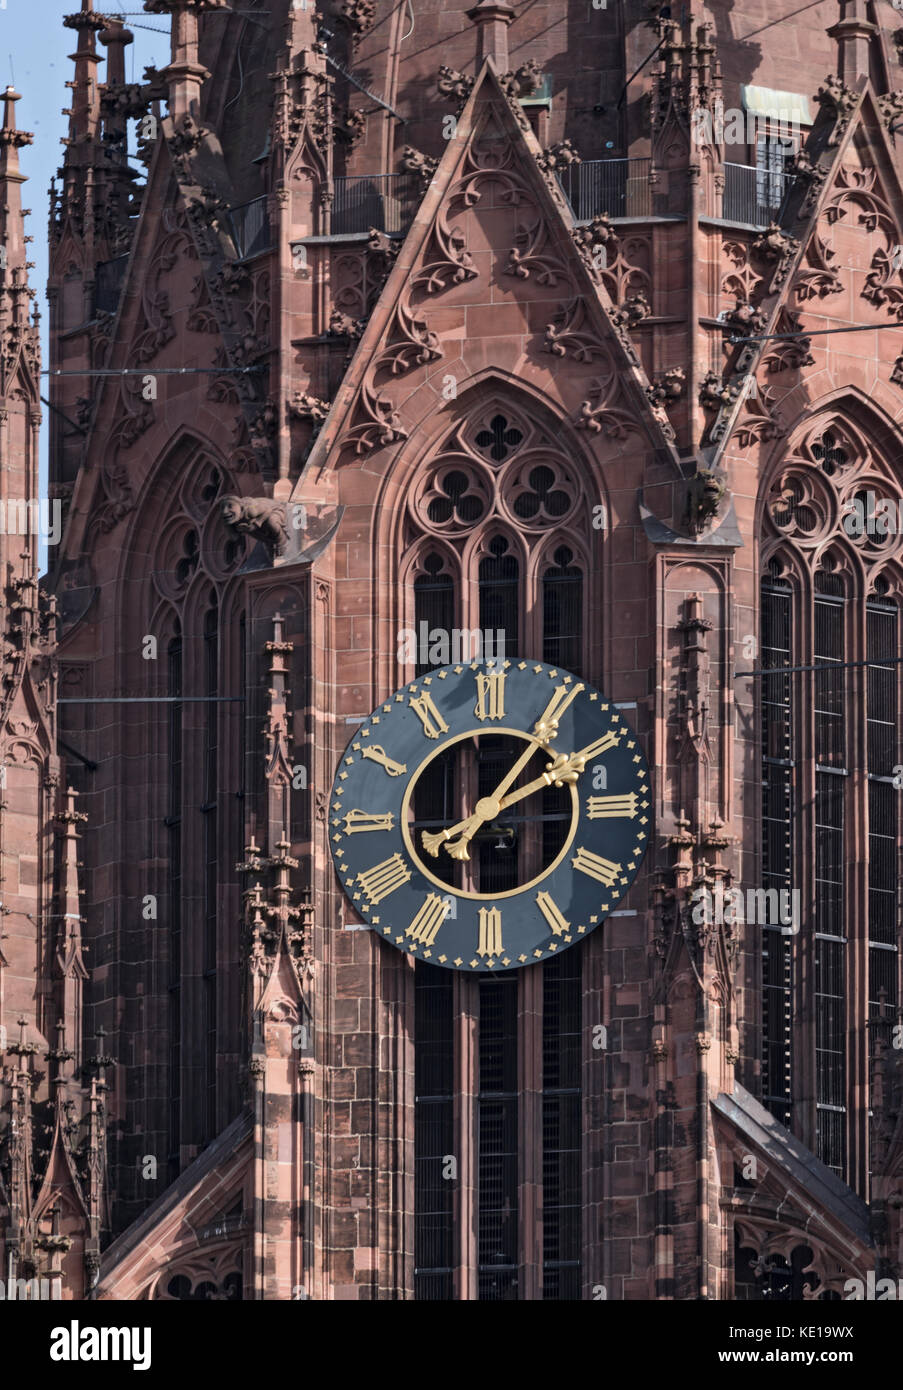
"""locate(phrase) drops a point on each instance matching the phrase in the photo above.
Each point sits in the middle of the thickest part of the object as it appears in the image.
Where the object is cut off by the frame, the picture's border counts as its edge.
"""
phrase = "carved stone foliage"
(155, 328)
(455, 85)
(716, 394)
(572, 333)
(758, 423)
(558, 156)
(840, 101)
(423, 166)
(667, 388)
(789, 354)
(534, 254)
(357, 16)
(602, 412)
(811, 174)
(409, 342)
(856, 201)
(489, 159)
(778, 249)
(499, 464)
(832, 483)
(133, 416)
(817, 277)
(739, 281)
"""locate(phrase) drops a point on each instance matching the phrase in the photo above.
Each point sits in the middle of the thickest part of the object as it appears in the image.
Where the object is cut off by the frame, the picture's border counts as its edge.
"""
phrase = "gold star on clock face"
(502, 808)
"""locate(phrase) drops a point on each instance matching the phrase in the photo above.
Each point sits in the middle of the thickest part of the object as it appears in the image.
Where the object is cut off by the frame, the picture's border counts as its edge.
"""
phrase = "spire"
(12, 229)
(853, 34)
(115, 178)
(115, 39)
(84, 113)
(185, 75)
(492, 18)
(14, 292)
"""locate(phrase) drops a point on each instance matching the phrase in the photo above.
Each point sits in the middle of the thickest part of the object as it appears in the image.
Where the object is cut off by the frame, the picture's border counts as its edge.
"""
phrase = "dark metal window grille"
(497, 1174)
(562, 613)
(434, 604)
(499, 594)
(882, 649)
(434, 1180)
(211, 866)
(830, 918)
(777, 840)
(773, 154)
(562, 1126)
(174, 827)
(434, 795)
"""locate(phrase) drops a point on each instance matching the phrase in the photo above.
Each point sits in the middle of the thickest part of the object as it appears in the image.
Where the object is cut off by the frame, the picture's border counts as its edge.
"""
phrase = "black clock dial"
(488, 815)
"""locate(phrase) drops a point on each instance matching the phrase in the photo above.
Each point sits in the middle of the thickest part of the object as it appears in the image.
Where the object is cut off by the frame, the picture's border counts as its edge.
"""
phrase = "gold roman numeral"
(603, 807)
(425, 709)
(376, 754)
(552, 913)
(429, 919)
(490, 932)
(597, 867)
(384, 878)
(356, 821)
(490, 696)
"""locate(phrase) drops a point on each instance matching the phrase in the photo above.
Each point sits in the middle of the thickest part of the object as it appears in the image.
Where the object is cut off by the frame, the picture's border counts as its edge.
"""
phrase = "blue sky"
(34, 49)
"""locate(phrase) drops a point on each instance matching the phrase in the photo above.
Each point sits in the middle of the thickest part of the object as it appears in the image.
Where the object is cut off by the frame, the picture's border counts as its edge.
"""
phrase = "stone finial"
(492, 18)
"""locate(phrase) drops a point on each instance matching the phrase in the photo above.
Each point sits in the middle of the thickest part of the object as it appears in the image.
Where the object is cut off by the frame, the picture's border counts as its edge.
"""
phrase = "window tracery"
(830, 576)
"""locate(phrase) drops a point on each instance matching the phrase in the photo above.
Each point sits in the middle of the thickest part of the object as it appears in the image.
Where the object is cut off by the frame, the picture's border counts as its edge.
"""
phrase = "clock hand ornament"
(564, 771)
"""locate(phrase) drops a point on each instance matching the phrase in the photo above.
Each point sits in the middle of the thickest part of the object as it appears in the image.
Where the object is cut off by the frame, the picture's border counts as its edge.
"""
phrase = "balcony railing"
(753, 195)
(619, 187)
(387, 202)
(250, 227)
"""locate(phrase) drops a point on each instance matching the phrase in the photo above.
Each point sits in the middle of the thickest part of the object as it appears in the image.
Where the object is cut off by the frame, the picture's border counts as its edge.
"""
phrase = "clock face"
(489, 815)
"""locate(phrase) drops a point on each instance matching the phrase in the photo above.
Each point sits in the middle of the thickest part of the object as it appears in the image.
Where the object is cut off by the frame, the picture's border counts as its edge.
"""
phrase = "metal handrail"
(753, 194)
(387, 202)
(619, 187)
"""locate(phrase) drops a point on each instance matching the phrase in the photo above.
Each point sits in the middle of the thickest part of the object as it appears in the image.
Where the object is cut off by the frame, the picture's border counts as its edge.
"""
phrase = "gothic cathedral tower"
(450, 817)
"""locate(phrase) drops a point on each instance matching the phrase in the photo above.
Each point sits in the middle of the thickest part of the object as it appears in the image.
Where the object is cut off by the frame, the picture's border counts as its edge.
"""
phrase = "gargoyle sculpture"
(259, 517)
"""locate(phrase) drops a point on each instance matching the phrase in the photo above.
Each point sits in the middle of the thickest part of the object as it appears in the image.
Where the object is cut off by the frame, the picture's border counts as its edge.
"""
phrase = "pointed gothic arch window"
(883, 756)
(211, 861)
(830, 743)
(174, 828)
(562, 612)
(499, 588)
(778, 811)
(504, 476)
(434, 609)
